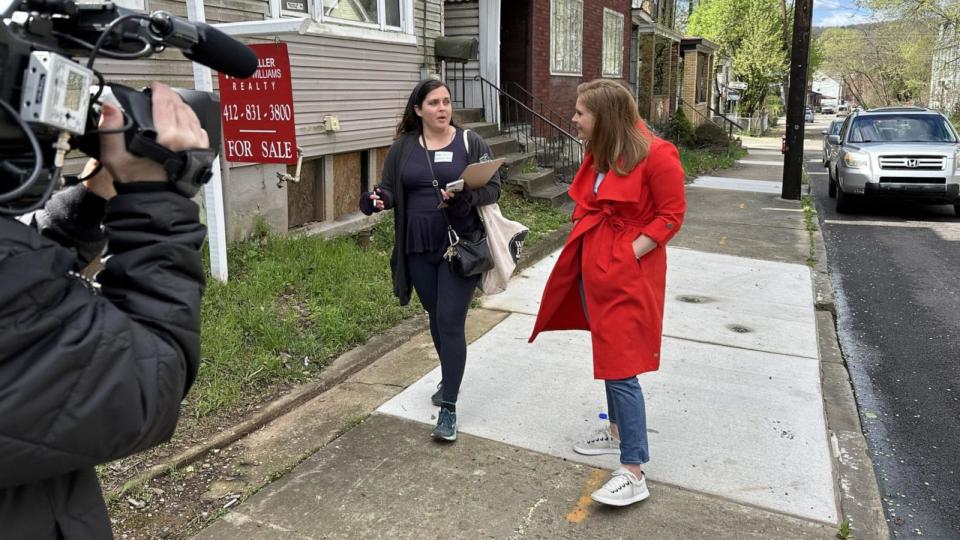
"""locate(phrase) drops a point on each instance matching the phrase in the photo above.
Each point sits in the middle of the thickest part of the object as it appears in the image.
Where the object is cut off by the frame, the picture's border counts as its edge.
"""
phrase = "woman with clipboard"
(428, 146)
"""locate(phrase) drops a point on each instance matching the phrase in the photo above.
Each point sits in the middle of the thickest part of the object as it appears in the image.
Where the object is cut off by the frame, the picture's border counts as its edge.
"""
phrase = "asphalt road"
(896, 272)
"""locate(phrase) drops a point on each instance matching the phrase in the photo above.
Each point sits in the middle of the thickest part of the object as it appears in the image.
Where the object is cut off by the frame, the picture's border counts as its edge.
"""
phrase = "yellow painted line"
(581, 511)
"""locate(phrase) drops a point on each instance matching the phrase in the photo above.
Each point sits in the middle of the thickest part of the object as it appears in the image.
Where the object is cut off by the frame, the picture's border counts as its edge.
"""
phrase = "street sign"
(737, 85)
(258, 122)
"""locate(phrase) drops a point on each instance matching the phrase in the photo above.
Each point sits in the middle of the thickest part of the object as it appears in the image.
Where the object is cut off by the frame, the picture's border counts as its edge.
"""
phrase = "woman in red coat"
(611, 276)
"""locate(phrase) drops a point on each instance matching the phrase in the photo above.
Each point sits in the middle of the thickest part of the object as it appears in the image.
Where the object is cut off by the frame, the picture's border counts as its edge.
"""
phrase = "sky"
(838, 13)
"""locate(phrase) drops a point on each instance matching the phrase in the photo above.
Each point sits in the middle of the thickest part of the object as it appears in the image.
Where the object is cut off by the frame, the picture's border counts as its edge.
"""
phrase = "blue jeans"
(626, 410)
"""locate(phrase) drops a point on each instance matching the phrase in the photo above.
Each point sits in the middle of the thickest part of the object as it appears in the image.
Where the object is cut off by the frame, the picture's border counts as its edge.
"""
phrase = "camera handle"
(187, 170)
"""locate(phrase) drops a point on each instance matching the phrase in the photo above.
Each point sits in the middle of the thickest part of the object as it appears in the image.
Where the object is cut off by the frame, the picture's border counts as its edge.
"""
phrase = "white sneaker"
(601, 442)
(622, 489)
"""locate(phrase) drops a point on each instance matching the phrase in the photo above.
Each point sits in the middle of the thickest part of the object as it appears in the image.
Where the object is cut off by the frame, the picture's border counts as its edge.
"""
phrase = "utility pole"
(796, 100)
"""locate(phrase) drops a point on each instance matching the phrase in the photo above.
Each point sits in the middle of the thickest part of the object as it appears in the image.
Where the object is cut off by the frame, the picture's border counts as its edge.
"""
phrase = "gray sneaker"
(437, 397)
(601, 442)
(446, 429)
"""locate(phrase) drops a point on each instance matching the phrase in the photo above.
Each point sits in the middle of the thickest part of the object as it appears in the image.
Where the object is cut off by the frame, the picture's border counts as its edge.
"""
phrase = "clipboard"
(476, 175)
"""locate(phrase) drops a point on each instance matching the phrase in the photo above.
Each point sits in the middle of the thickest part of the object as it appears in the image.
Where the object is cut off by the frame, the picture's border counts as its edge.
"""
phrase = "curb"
(339, 370)
(859, 493)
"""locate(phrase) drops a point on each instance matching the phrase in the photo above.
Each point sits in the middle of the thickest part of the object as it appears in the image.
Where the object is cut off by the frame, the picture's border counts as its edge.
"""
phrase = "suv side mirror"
(833, 139)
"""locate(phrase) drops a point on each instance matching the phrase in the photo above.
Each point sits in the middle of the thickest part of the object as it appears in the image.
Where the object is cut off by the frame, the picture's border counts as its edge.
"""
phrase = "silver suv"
(907, 153)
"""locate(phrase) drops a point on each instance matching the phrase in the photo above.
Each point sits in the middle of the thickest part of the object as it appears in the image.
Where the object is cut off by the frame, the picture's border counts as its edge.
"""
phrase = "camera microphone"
(205, 44)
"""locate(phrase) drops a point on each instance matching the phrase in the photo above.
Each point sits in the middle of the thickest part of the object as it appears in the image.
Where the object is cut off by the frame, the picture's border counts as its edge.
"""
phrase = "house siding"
(462, 19)
(364, 83)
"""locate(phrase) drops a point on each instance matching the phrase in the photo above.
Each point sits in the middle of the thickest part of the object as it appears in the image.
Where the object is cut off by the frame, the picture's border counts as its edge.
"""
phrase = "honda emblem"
(911, 163)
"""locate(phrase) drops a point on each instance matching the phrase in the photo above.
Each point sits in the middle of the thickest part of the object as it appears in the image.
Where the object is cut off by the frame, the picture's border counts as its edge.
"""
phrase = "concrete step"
(516, 162)
(502, 145)
(484, 129)
(534, 181)
(555, 195)
(466, 116)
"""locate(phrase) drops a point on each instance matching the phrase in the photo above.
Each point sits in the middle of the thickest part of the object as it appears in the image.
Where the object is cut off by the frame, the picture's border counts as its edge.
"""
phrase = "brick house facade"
(696, 89)
(559, 91)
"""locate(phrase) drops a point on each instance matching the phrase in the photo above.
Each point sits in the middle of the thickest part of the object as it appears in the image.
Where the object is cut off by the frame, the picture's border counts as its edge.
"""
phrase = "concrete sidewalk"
(738, 433)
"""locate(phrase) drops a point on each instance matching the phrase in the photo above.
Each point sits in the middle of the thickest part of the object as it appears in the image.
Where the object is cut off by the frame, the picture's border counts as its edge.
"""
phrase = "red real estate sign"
(258, 124)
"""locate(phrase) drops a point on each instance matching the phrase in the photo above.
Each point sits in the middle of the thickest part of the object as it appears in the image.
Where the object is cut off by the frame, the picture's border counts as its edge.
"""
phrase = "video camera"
(50, 103)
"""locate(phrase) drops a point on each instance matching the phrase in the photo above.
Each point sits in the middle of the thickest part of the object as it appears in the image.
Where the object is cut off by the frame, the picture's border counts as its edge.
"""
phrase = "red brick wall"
(560, 92)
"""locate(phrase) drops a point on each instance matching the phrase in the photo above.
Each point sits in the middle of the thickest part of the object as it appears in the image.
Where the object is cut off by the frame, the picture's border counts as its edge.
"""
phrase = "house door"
(515, 47)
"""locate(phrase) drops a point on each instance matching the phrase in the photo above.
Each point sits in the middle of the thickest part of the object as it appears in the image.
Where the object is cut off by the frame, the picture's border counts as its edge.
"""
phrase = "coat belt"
(611, 224)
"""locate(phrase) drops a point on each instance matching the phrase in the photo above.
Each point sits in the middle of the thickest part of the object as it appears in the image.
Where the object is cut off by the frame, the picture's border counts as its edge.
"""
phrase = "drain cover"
(739, 329)
(691, 299)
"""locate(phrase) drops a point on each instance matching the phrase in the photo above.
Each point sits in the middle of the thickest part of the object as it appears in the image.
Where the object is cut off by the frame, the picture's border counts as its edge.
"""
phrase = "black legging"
(446, 296)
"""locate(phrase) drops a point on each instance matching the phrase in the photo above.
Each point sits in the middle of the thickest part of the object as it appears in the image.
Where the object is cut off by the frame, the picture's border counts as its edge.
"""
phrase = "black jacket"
(87, 377)
(391, 190)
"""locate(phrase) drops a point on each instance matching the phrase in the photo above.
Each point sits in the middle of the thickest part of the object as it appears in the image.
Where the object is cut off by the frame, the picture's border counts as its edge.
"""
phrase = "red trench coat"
(624, 296)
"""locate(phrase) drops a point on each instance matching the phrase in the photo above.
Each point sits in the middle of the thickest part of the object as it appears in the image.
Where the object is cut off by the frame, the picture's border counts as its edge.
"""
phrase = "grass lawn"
(697, 161)
(293, 303)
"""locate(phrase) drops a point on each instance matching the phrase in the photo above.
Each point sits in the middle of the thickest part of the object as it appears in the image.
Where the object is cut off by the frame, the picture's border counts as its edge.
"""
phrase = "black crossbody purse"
(467, 256)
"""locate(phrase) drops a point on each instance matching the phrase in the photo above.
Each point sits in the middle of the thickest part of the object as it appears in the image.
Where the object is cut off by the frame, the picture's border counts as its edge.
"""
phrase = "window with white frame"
(612, 43)
(374, 14)
(379, 13)
(566, 37)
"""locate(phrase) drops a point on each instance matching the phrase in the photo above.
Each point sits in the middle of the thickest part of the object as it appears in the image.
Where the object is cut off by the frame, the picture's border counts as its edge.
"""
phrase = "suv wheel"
(956, 210)
(843, 200)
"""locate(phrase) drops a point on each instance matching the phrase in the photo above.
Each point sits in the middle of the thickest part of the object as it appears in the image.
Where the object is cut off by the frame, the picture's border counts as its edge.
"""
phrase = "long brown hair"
(617, 142)
(410, 122)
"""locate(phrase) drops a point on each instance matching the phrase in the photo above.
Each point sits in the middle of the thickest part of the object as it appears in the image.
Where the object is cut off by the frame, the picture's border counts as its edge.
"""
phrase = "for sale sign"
(258, 124)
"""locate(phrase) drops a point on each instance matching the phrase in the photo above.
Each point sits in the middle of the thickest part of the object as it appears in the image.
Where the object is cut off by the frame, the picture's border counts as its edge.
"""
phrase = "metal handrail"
(553, 146)
(542, 107)
(731, 123)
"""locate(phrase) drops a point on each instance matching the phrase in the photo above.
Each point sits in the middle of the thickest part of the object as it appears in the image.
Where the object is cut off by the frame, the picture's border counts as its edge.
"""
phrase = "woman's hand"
(376, 199)
(642, 245)
(447, 195)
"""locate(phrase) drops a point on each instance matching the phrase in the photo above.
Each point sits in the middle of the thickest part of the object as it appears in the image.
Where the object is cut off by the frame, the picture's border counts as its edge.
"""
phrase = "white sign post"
(213, 191)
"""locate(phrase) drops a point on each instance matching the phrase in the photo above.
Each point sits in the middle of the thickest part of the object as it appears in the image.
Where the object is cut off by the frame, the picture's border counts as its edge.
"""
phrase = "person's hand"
(178, 128)
(101, 183)
(376, 199)
(447, 195)
(642, 245)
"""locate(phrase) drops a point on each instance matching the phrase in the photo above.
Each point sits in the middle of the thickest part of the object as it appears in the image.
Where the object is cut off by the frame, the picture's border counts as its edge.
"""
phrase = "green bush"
(679, 130)
(710, 135)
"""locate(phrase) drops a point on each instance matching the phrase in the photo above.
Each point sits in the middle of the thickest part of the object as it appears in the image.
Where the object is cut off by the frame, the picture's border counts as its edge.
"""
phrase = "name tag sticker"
(443, 157)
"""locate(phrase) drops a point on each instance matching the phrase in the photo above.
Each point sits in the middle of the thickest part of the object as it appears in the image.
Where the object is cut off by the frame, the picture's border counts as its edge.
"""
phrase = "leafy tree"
(881, 63)
(751, 32)
(941, 11)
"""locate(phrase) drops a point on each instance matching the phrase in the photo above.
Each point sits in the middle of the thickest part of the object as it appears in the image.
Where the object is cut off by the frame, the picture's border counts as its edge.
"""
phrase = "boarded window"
(566, 37)
(368, 12)
(612, 43)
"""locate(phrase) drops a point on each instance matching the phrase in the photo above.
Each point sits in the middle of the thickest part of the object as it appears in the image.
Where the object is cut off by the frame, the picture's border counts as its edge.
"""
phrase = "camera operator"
(87, 377)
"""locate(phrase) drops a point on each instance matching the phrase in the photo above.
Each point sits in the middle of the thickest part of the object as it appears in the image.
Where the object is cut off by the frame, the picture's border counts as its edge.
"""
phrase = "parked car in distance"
(834, 129)
(843, 110)
(826, 109)
(904, 153)
(808, 114)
